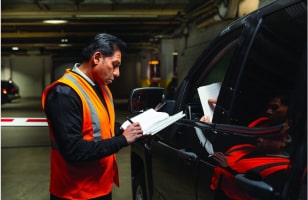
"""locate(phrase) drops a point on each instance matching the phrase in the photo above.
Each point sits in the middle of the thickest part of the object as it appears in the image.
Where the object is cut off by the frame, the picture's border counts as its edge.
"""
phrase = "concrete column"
(166, 61)
(144, 68)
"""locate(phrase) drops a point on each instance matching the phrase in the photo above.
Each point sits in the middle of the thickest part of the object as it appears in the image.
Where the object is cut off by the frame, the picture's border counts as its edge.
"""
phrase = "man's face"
(276, 111)
(274, 144)
(107, 68)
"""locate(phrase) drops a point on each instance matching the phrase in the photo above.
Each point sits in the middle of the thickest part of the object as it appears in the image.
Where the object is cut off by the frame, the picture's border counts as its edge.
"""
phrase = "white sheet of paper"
(206, 92)
(204, 141)
(152, 121)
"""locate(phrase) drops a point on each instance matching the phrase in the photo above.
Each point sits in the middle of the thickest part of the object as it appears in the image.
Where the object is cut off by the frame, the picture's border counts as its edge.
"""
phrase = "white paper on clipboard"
(206, 92)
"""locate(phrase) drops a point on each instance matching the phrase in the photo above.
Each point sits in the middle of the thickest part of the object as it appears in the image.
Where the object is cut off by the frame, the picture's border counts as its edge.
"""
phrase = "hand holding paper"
(132, 132)
(152, 121)
(208, 96)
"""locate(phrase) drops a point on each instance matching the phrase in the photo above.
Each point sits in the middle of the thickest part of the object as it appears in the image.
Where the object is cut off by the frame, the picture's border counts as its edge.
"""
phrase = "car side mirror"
(145, 98)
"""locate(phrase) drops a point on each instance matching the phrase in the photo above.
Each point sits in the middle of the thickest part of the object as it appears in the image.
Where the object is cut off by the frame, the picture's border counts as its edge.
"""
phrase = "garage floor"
(25, 155)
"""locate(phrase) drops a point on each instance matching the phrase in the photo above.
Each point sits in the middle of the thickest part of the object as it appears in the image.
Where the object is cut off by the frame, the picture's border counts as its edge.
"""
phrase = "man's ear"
(97, 56)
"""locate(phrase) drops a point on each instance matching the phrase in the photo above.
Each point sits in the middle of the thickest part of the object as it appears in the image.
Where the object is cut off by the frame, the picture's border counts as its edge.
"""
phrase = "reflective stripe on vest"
(94, 116)
(264, 165)
(268, 169)
(260, 122)
(74, 81)
(106, 124)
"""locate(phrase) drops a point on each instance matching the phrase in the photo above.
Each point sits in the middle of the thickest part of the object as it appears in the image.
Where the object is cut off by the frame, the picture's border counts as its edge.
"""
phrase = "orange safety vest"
(260, 122)
(264, 166)
(85, 179)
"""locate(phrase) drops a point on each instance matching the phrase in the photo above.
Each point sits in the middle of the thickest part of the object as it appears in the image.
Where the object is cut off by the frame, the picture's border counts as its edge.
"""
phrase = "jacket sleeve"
(118, 131)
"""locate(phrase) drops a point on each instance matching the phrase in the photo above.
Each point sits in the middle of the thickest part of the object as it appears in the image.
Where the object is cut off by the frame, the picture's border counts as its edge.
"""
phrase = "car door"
(179, 157)
(175, 162)
(257, 56)
(275, 62)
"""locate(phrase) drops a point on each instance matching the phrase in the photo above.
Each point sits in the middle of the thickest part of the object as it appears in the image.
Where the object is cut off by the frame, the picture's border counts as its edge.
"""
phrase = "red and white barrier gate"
(19, 121)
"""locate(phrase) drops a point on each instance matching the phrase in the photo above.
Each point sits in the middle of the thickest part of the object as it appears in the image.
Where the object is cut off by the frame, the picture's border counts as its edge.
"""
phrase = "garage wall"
(29, 72)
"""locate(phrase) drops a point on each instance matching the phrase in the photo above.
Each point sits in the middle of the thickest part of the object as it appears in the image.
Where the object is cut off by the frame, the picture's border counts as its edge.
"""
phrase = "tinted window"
(213, 70)
(272, 62)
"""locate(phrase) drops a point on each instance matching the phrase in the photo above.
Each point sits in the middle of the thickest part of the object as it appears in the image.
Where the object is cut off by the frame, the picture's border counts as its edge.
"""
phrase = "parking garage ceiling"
(140, 23)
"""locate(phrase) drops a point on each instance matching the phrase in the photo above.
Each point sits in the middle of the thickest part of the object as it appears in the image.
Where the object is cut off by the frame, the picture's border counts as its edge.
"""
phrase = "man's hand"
(220, 158)
(133, 132)
(205, 119)
(212, 103)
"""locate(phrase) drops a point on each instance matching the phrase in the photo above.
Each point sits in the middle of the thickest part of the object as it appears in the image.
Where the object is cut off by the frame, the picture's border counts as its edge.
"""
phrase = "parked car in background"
(9, 91)
(260, 54)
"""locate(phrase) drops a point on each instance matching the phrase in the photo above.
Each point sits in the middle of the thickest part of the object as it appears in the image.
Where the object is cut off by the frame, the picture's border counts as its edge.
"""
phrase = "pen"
(129, 120)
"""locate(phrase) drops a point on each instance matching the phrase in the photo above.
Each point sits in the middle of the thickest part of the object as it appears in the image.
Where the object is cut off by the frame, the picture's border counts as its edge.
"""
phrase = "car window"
(213, 70)
(217, 69)
(271, 65)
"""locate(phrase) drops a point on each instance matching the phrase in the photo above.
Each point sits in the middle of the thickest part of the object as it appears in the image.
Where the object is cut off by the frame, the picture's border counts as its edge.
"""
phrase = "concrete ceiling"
(140, 23)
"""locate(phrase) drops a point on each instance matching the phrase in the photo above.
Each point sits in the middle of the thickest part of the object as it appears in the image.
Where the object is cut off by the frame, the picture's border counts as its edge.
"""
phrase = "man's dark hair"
(283, 96)
(105, 43)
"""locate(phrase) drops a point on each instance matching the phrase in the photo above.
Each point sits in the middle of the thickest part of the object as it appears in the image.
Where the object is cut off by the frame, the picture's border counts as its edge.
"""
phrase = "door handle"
(187, 155)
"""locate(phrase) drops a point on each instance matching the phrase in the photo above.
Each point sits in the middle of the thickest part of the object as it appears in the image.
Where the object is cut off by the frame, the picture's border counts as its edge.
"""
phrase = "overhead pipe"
(223, 11)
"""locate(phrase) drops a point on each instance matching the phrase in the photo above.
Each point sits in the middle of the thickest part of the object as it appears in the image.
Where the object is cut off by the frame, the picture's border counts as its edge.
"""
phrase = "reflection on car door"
(177, 157)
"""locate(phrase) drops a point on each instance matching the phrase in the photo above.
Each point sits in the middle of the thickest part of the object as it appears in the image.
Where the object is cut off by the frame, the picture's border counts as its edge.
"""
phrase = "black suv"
(9, 91)
(255, 56)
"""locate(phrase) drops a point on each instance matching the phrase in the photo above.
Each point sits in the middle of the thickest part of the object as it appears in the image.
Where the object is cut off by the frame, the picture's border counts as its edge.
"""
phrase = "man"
(81, 120)
(266, 160)
(276, 112)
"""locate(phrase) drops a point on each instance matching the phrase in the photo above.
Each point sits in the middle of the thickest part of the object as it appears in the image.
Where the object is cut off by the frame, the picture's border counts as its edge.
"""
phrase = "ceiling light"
(64, 45)
(15, 48)
(55, 21)
(64, 40)
(116, 16)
